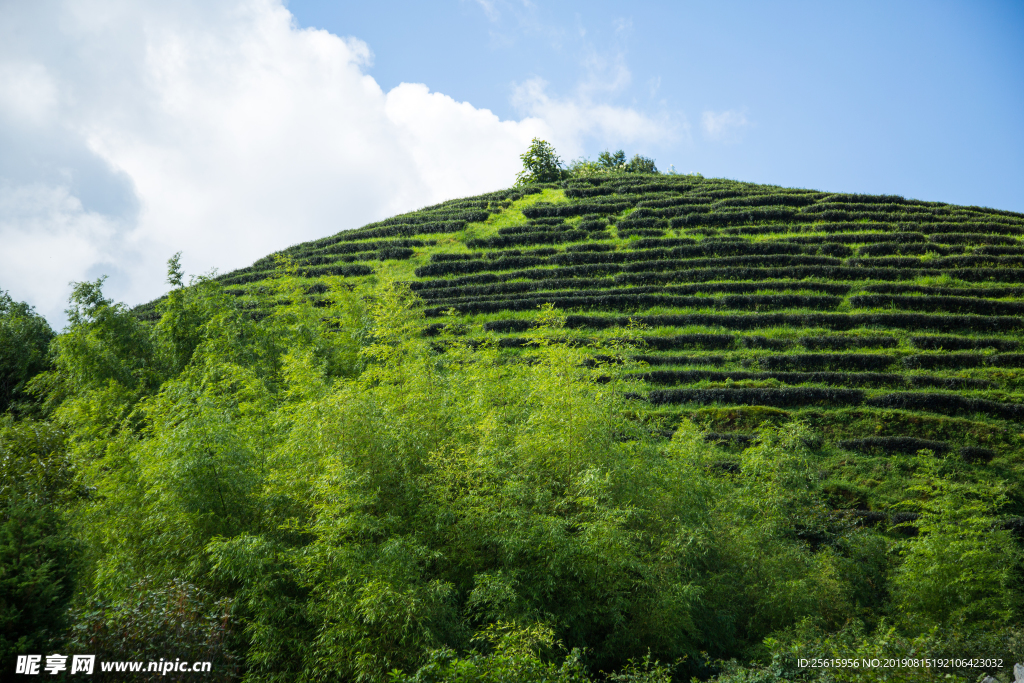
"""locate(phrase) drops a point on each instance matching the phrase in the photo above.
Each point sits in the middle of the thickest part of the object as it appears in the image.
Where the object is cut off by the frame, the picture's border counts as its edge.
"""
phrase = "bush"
(989, 292)
(898, 238)
(821, 361)
(705, 341)
(681, 360)
(476, 265)
(566, 210)
(945, 360)
(951, 304)
(539, 237)
(176, 620)
(839, 379)
(972, 238)
(895, 444)
(758, 342)
(890, 248)
(948, 404)
(779, 398)
(832, 321)
(976, 454)
(770, 200)
(839, 343)
(628, 300)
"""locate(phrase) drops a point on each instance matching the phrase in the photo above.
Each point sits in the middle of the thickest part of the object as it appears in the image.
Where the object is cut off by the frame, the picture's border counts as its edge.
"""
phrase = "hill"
(626, 427)
(889, 325)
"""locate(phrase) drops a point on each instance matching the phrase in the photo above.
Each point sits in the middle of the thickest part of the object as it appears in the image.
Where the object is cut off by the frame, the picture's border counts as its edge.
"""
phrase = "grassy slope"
(944, 277)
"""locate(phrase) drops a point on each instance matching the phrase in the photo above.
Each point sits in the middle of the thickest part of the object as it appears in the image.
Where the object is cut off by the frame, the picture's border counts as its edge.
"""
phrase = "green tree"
(37, 554)
(616, 161)
(960, 566)
(641, 164)
(25, 337)
(540, 164)
(612, 160)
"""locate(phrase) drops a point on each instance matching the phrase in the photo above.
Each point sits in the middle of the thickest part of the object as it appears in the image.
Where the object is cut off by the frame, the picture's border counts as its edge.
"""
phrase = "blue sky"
(922, 99)
(228, 129)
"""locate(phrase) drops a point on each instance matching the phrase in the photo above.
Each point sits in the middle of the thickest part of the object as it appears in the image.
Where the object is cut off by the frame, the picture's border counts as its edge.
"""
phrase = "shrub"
(952, 304)
(758, 342)
(948, 404)
(990, 292)
(839, 379)
(566, 210)
(539, 237)
(839, 343)
(945, 360)
(584, 192)
(628, 300)
(832, 321)
(779, 199)
(476, 265)
(174, 621)
(972, 238)
(589, 247)
(976, 454)
(898, 238)
(821, 361)
(706, 341)
(779, 398)
(895, 444)
(960, 343)
(681, 360)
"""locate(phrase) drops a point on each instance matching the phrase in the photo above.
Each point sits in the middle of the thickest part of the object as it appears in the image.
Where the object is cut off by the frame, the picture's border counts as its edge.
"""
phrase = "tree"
(24, 339)
(612, 160)
(639, 164)
(540, 164)
(616, 161)
(38, 557)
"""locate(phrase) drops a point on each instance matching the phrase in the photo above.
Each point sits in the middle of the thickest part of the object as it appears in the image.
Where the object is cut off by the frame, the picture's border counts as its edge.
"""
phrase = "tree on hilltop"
(540, 164)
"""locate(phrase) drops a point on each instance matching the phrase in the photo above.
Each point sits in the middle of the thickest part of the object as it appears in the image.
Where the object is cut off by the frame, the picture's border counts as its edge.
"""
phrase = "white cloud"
(725, 126)
(27, 93)
(222, 130)
(489, 9)
(571, 120)
(49, 239)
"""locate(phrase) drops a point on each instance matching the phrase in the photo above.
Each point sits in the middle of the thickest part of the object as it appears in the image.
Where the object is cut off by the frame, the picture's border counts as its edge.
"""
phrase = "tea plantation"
(888, 325)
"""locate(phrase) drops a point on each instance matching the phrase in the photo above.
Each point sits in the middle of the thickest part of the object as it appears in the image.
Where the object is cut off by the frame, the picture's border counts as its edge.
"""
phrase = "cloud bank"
(218, 128)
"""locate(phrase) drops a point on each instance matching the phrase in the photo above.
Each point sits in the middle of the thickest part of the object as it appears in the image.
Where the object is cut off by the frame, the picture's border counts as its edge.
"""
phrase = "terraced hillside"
(890, 325)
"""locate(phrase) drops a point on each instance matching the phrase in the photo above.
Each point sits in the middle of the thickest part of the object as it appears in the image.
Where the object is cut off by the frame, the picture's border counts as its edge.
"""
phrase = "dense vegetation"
(620, 426)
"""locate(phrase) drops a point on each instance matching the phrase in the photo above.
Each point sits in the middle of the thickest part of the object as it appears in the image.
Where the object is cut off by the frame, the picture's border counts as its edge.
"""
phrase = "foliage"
(610, 162)
(24, 339)
(960, 567)
(780, 660)
(37, 553)
(175, 621)
(540, 164)
(374, 496)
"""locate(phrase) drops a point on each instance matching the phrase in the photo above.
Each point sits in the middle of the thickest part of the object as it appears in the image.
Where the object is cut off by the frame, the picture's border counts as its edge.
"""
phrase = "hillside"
(633, 427)
(889, 325)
